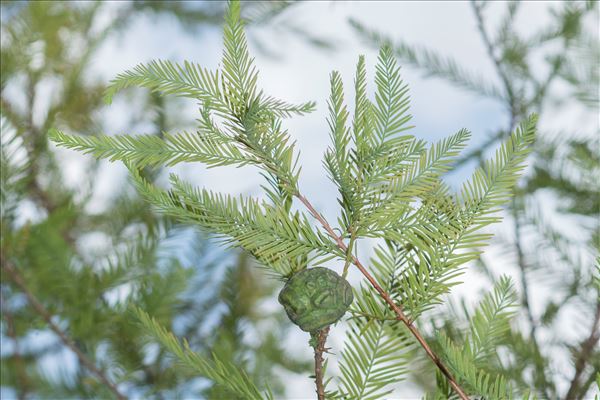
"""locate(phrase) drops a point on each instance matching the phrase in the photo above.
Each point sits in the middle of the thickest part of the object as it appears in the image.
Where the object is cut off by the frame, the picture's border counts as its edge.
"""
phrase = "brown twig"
(321, 339)
(23, 386)
(41, 310)
(587, 346)
(400, 316)
(591, 379)
(492, 54)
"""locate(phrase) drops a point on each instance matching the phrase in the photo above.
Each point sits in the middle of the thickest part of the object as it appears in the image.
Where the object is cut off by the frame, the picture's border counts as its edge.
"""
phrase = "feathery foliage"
(491, 319)
(225, 374)
(554, 258)
(488, 327)
(376, 352)
(151, 150)
(85, 253)
(372, 360)
(391, 189)
(267, 232)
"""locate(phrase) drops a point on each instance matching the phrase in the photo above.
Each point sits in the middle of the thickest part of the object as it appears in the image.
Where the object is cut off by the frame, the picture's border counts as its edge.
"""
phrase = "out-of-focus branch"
(24, 384)
(320, 340)
(514, 113)
(522, 268)
(591, 379)
(497, 63)
(46, 316)
(587, 347)
(400, 315)
(526, 296)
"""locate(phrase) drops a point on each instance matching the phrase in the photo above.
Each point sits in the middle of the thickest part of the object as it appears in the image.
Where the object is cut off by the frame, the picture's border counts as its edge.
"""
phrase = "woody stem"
(320, 338)
(400, 315)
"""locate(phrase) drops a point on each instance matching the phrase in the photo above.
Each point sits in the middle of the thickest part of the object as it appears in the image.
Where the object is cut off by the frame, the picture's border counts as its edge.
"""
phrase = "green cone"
(315, 298)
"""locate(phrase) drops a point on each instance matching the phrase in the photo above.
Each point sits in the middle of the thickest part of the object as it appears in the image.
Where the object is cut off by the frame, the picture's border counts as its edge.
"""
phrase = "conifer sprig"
(390, 187)
(377, 349)
(444, 233)
(268, 232)
(488, 327)
(150, 150)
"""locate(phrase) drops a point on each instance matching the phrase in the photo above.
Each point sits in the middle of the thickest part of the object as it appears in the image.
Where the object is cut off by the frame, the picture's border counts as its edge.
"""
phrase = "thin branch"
(522, 268)
(542, 88)
(23, 381)
(41, 310)
(319, 345)
(591, 379)
(492, 54)
(525, 300)
(587, 346)
(400, 316)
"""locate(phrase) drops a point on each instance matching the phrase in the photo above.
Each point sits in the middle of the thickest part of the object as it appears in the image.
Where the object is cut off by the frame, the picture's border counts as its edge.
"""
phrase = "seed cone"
(315, 298)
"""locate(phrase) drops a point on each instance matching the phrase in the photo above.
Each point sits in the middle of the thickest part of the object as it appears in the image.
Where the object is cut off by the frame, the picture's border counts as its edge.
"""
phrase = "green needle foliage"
(222, 373)
(553, 259)
(488, 325)
(268, 232)
(377, 352)
(85, 256)
(391, 189)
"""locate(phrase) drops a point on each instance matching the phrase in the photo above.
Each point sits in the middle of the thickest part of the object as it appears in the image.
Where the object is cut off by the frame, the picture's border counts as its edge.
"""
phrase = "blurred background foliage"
(84, 267)
(555, 214)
